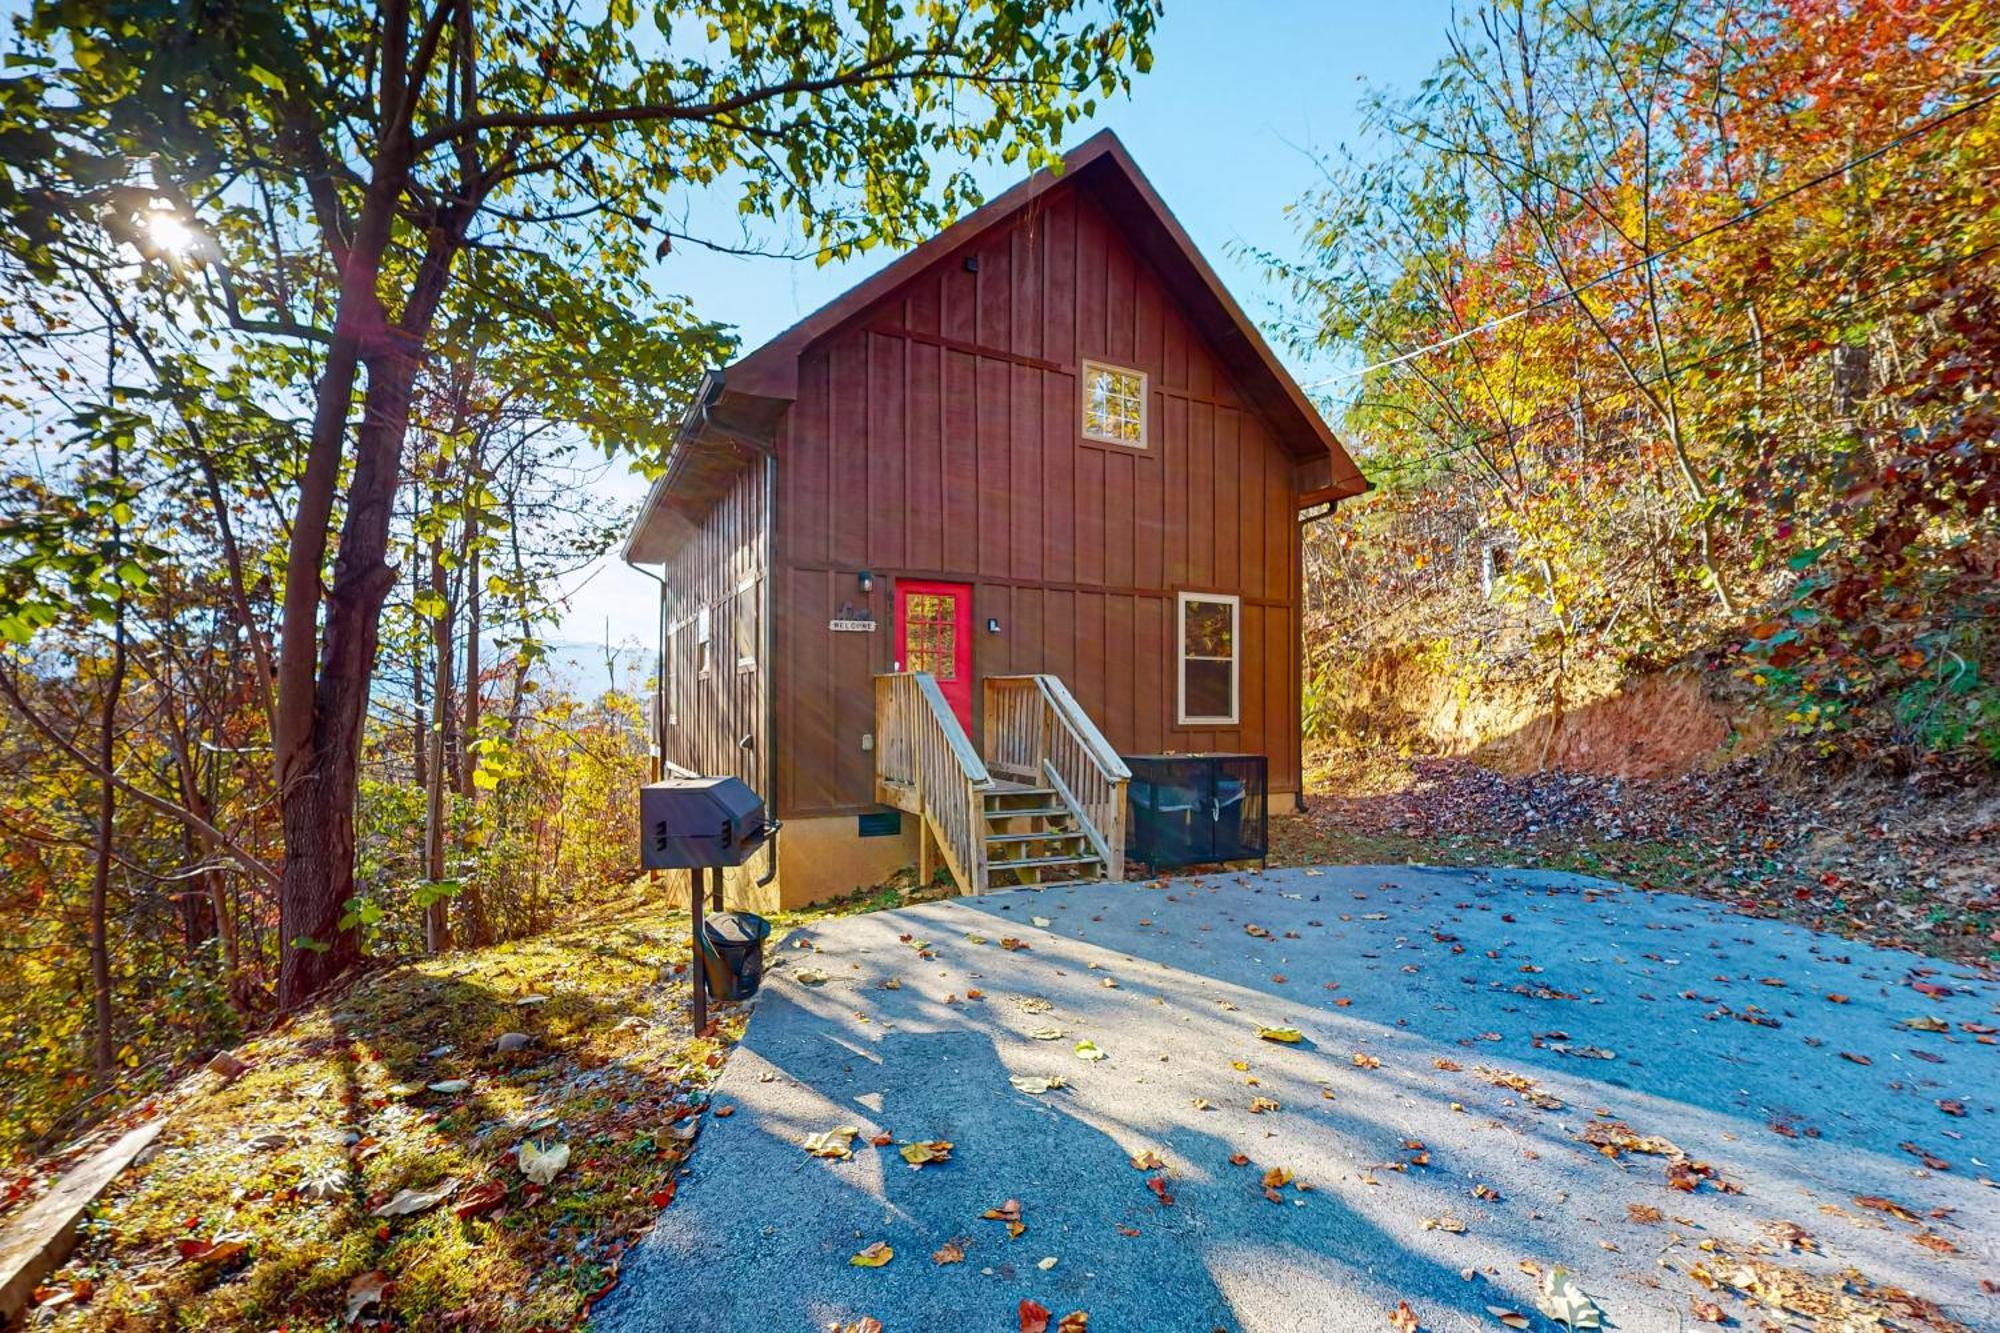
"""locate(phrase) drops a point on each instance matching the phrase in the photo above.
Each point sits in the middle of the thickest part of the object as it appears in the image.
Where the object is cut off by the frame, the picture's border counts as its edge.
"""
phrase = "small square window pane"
(1114, 404)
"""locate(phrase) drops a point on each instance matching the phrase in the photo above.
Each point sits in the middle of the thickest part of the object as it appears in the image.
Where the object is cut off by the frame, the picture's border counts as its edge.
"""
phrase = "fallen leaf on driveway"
(1563, 1301)
(1076, 1321)
(1158, 1184)
(1259, 1105)
(1889, 1206)
(1148, 1161)
(874, 1256)
(1511, 1318)
(450, 1085)
(1289, 1036)
(835, 1143)
(1012, 945)
(1930, 1160)
(812, 976)
(1403, 1319)
(948, 1253)
(867, 1323)
(924, 1153)
(1034, 1317)
(1087, 1050)
(1010, 1213)
(1037, 1084)
(1047, 1034)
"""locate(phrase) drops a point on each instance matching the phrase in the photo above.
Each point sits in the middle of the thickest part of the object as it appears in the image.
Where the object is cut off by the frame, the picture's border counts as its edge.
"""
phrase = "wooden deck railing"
(925, 764)
(1036, 732)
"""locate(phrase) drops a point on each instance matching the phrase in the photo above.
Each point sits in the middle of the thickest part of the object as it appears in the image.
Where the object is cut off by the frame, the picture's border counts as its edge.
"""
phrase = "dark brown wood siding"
(719, 567)
(936, 435)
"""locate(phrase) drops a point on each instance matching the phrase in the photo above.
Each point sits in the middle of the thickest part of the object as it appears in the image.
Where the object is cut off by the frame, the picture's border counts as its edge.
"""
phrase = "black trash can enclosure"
(1197, 809)
(732, 953)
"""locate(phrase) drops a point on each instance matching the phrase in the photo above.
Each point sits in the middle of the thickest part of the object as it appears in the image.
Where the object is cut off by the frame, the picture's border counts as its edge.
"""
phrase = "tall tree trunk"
(437, 928)
(323, 701)
(103, 1055)
(320, 768)
(477, 929)
(420, 731)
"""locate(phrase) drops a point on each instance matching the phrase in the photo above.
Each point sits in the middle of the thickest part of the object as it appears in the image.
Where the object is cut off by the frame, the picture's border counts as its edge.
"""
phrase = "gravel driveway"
(1697, 1114)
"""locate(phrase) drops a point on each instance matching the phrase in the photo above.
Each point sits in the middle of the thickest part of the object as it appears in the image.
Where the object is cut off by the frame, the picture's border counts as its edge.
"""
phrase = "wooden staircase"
(1057, 817)
(1033, 838)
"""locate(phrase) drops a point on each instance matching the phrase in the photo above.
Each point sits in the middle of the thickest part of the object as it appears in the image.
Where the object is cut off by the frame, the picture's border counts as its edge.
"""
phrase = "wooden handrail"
(926, 764)
(1036, 731)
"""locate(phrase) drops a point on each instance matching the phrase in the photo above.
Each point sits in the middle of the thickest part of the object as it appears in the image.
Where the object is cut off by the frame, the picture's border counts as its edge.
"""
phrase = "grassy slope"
(338, 1101)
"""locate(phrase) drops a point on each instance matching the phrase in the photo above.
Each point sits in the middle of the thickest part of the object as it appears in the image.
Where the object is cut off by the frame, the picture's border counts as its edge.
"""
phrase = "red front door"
(934, 634)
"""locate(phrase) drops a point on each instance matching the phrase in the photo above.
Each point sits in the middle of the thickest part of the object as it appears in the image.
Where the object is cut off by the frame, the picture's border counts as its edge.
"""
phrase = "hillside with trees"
(1674, 329)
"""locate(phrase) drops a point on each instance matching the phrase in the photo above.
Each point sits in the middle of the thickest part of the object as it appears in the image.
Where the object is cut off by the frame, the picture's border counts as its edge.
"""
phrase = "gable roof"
(738, 408)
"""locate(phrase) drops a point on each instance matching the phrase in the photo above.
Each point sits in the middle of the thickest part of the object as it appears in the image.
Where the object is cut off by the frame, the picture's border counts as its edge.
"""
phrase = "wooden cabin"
(1027, 499)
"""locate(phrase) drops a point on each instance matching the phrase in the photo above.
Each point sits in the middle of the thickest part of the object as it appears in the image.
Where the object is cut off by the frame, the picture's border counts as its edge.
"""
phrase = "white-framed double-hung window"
(1210, 658)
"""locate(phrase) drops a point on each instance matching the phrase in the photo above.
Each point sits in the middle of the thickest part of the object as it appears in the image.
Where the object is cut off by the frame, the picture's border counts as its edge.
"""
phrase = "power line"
(1746, 215)
(1731, 349)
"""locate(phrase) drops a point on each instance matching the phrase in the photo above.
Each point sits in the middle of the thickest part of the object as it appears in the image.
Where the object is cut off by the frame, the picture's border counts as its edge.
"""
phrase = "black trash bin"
(732, 953)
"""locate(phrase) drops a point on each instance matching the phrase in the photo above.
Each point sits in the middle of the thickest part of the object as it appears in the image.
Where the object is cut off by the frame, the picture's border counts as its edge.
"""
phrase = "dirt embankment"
(1595, 720)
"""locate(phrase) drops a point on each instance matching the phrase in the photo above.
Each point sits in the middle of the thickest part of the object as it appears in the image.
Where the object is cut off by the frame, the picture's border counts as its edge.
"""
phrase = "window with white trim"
(1114, 405)
(701, 666)
(1210, 654)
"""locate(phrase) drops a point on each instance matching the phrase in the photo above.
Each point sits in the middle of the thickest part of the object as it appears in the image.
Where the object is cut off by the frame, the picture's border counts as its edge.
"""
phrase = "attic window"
(1114, 405)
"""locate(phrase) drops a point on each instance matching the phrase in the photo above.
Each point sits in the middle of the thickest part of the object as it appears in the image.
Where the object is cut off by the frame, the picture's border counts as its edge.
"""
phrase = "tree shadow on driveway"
(760, 1234)
(924, 1017)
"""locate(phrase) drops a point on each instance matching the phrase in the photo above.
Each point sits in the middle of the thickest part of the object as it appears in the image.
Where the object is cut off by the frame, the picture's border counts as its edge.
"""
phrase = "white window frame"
(1235, 605)
(1145, 405)
(701, 640)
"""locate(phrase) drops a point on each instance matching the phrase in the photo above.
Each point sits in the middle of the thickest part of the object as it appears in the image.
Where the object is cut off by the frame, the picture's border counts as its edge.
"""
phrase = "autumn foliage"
(1669, 329)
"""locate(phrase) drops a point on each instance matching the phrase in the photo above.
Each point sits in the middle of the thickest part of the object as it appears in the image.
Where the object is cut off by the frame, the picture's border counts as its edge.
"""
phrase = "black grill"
(694, 823)
(1197, 809)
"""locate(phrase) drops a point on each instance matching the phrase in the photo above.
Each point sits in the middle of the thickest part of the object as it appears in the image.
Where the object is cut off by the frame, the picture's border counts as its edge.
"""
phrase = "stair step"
(1029, 862)
(1025, 811)
(1009, 792)
(1046, 835)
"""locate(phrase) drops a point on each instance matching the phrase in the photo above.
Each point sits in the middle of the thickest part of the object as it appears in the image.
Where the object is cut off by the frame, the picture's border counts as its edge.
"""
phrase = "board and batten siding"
(937, 435)
(705, 717)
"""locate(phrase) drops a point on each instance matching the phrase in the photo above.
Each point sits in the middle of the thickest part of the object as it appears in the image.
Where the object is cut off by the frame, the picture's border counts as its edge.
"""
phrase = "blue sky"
(1240, 90)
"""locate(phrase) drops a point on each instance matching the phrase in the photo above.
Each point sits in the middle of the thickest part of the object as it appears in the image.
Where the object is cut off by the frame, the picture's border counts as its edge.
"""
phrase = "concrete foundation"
(827, 857)
(818, 859)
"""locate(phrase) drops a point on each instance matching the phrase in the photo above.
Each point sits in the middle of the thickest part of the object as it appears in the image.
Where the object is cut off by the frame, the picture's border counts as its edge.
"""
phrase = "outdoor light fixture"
(993, 624)
(866, 580)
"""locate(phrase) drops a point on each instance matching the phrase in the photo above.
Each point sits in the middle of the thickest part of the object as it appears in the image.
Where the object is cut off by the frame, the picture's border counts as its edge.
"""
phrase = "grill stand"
(698, 979)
